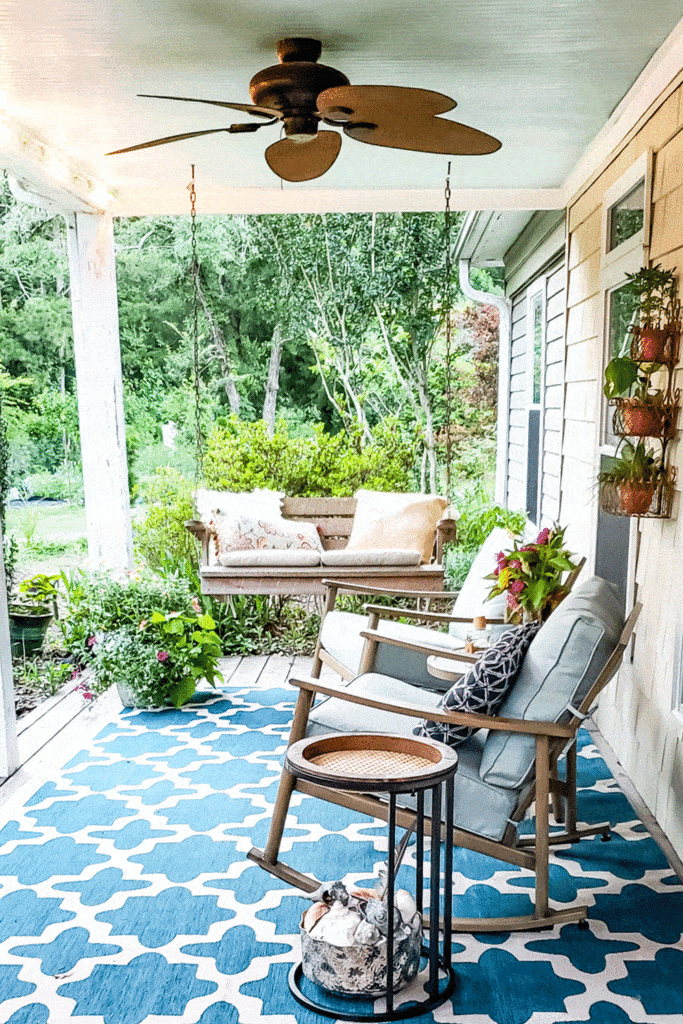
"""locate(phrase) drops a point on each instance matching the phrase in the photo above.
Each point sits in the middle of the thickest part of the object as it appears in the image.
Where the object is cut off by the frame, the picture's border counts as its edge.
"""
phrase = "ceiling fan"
(299, 94)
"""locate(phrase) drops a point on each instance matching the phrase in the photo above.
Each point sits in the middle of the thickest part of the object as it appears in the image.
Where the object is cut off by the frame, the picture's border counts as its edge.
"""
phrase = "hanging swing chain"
(447, 297)
(199, 438)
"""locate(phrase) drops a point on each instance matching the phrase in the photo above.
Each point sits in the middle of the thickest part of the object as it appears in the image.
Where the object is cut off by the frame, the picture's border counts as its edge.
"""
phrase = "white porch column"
(9, 750)
(97, 355)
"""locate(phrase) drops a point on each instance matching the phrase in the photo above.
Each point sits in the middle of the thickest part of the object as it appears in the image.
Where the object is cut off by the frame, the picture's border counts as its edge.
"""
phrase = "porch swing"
(332, 517)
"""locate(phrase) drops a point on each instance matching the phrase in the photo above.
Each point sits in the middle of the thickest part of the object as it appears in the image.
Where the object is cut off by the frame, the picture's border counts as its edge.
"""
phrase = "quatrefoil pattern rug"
(126, 896)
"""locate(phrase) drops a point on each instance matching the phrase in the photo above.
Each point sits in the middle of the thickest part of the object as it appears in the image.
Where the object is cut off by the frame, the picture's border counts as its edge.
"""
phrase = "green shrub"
(240, 457)
(161, 539)
(98, 603)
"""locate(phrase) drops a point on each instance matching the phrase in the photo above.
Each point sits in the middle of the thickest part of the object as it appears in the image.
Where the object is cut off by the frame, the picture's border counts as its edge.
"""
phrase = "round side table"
(393, 765)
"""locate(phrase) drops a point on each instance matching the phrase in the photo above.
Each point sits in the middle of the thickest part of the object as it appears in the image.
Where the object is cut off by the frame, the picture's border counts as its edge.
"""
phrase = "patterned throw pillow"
(484, 687)
(250, 533)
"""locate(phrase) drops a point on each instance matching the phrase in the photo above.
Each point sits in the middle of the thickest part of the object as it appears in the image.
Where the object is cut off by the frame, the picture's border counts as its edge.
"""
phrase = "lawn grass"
(51, 537)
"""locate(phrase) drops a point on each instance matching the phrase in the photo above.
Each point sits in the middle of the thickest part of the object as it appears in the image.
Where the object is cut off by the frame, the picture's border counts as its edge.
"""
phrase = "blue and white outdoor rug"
(126, 895)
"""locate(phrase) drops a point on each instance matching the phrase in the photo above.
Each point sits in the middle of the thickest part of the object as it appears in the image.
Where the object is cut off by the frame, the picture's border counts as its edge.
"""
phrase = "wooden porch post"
(97, 356)
(9, 750)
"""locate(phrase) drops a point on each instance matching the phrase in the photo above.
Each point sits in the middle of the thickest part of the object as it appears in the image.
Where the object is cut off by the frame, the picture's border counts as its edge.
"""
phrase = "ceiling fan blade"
(400, 118)
(302, 161)
(248, 108)
(168, 138)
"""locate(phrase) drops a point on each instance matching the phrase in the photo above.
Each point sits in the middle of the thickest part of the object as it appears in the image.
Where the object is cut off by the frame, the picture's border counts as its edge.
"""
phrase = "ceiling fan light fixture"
(300, 129)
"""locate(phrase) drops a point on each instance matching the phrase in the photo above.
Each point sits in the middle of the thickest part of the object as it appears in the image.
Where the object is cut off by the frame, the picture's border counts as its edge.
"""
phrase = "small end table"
(393, 765)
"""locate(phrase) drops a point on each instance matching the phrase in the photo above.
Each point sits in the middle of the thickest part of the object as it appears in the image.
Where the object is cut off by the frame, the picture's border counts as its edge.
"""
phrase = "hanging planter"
(655, 344)
(636, 485)
(644, 417)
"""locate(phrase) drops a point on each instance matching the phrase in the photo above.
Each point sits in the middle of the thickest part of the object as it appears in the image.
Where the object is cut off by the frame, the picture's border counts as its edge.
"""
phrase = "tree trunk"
(273, 381)
(221, 347)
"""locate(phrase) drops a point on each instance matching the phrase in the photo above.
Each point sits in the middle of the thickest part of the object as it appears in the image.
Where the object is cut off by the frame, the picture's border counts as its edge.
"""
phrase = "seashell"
(377, 913)
(405, 904)
(313, 915)
(366, 934)
(338, 926)
(363, 894)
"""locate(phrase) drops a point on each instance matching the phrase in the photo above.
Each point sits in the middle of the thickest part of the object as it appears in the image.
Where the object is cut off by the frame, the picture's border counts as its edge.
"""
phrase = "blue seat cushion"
(479, 807)
(561, 665)
(340, 637)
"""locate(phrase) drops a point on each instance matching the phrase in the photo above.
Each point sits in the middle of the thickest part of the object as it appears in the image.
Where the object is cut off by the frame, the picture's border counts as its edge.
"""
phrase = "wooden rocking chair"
(489, 813)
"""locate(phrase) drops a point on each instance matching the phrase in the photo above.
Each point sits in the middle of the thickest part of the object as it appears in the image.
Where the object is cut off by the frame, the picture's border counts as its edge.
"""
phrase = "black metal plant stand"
(393, 765)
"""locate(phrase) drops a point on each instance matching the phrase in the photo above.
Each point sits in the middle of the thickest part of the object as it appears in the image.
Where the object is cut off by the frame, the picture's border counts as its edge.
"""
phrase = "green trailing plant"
(160, 661)
(531, 575)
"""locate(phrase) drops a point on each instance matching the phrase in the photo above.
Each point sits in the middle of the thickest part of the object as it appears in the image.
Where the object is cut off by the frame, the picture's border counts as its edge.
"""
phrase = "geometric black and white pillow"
(484, 686)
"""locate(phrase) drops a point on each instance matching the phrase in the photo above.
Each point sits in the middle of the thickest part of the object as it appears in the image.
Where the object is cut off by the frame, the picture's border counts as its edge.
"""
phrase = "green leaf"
(181, 693)
(157, 617)
(206, 622)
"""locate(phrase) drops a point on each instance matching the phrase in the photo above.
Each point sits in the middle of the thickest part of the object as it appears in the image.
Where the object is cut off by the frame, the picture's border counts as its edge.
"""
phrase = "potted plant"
(31, 612)
(655, 292)
(628, 386)
(531, 574)
(633, 478)
(157, 662)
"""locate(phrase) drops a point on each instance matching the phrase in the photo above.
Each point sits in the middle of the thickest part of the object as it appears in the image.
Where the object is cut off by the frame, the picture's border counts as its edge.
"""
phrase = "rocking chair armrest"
(361, 588)
(396, 613)
(449, 717)
(438, 652)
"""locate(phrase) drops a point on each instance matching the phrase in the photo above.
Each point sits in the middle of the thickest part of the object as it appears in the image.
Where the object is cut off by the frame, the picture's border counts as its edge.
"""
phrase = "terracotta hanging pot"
(640, 419)
(651, 344)
(636, 497)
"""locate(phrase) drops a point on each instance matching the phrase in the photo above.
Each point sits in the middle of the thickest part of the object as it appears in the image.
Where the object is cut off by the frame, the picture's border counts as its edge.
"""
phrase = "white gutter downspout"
(504, 307)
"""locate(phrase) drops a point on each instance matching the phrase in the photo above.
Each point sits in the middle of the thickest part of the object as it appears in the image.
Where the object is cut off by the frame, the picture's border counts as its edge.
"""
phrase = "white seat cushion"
(383, 556)
(267, 557)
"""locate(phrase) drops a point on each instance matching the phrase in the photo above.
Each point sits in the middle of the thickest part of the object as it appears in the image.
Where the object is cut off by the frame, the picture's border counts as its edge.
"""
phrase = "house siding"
(635, 713)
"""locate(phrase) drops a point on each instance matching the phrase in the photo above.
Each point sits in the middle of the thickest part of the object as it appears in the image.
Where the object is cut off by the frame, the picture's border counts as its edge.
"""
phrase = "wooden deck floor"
(57, 729)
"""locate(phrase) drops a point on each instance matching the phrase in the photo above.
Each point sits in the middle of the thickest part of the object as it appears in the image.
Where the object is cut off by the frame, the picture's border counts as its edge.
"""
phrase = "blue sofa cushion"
(483, 688)
(561, 665)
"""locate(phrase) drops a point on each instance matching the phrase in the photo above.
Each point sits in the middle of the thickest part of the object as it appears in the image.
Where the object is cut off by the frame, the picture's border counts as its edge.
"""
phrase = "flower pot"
(27, 633)
(636, 497)
(640, 419)
(130, 699)
(651, 344)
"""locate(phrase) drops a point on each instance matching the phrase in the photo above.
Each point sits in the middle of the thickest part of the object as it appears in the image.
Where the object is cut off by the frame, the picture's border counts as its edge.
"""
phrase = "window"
(627, 216)
(620, 315)
(537, 321)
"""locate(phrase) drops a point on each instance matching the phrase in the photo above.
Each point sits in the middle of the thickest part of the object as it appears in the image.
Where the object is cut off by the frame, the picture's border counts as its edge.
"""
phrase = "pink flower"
(528, 547)
(196, 605)
(90, 641)
(543, 536)
(162, 656)
(517, 587)
(512, 601)
(515, 564)
(75, 674)
(88, 695)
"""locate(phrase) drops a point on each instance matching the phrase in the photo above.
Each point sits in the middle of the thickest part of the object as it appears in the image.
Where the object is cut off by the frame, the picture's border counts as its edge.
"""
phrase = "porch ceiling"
(544, 76)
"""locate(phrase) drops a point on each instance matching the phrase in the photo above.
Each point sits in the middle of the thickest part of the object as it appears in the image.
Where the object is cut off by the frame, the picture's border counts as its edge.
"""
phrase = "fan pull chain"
(447, 291)
(199, 437)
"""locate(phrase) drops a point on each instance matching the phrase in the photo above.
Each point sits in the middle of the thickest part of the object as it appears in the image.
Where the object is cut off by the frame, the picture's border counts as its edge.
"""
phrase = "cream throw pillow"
(396, 521)
(248, 532)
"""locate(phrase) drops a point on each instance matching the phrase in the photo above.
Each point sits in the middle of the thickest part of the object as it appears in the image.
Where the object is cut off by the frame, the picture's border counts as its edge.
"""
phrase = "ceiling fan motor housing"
(293, 86)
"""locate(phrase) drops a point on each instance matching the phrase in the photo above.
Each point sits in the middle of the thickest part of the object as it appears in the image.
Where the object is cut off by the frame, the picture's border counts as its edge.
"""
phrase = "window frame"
(628, 257)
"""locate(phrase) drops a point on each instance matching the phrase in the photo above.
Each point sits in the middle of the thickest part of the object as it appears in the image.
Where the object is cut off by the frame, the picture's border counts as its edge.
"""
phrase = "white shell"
(313, 915)
(366, 934)
(405, 904)
(338, 926)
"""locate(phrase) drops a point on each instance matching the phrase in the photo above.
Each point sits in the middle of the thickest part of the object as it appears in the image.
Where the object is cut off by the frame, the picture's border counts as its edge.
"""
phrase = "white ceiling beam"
(321, 200)
(47, 173)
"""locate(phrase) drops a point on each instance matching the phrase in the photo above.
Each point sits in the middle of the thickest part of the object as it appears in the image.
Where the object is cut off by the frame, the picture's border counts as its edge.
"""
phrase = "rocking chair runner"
(391, 706)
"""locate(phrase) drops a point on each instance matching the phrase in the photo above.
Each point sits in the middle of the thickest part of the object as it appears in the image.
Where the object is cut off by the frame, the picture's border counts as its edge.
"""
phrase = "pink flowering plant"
(531, 575)
(159, 661)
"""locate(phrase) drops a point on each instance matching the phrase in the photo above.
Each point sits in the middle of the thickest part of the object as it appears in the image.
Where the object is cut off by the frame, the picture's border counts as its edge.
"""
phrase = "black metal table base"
(414, 1009)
